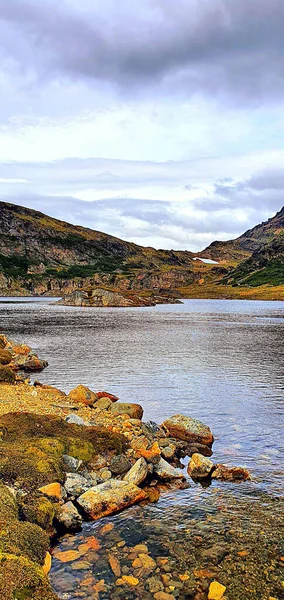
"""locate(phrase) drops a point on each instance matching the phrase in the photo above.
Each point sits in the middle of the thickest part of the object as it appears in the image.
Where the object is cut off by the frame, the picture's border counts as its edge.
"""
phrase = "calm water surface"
(217, 360)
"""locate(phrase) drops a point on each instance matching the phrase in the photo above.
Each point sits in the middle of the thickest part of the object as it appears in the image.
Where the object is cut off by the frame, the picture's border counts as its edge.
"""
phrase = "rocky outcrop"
(110, 497)
(22, 357)
(188, 429)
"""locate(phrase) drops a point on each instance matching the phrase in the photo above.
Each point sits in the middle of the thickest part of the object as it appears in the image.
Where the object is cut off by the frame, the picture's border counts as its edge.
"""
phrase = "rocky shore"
(66, 459)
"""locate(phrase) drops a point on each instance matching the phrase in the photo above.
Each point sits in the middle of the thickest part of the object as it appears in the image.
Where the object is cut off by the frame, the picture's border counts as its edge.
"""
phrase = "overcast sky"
(158, 121)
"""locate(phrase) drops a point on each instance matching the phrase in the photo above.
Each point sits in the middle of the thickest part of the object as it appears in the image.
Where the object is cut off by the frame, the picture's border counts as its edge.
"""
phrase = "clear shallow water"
(221, 361)
(216, 360)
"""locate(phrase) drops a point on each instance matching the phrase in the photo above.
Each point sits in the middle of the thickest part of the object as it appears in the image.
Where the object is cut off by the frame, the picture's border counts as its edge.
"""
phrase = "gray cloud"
(186, 46)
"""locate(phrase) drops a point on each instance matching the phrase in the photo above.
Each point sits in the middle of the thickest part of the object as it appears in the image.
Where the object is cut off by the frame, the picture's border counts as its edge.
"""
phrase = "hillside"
(40, 255)
(242, 247)
(265, 266)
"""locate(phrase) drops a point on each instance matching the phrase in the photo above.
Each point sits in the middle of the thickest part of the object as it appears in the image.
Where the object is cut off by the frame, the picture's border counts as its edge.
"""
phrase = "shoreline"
(85, 455)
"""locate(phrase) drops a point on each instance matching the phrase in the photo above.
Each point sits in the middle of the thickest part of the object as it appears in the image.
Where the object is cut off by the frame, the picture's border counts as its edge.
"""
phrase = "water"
(218, 360)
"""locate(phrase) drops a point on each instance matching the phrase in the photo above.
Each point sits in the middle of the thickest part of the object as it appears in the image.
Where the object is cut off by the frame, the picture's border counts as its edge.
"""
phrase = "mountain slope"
(264, 267)
(253, 239)
(31, 242)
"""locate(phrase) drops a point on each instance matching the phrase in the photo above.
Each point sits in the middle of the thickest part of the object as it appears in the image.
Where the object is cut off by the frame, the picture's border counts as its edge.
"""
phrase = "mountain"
(40, 255)
(242, 247)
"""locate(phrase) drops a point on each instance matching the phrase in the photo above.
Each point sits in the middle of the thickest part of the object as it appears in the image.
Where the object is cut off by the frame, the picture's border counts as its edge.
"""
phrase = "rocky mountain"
(252, 240)
(40, 254)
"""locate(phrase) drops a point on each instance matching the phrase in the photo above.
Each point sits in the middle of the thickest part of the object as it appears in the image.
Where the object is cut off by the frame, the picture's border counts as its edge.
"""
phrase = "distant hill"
(40, 255)
(252, 240)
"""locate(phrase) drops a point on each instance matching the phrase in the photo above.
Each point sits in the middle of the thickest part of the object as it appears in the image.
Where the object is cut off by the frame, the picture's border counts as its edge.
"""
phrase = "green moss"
(21, 579)
(37, 509)
(25, 539)
(7, 375)
(8, 507)
(5, 357)
(32, 447)
(80, 449)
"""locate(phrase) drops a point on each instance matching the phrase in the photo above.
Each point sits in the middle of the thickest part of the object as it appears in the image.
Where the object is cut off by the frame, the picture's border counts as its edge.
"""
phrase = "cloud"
(186, 46)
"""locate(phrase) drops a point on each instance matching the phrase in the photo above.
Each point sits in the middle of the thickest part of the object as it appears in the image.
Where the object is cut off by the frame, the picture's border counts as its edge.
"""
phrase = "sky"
(157, 121)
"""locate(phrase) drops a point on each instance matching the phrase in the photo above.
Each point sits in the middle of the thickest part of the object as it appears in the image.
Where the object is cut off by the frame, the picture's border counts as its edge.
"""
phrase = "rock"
(47, 563)
(107, 395)
(105, 474)
(69, 517)
(191, 430)
(216, 591)
(52, 490)
(163, 596)
(200, 467)
(230, 473)
(110, 497)
(152, 454)
(72, 464)
(102, 404)
(197, 449)
(135, 411)
(147, 563)
(83, 395)
(75, 484)
(153, 493)
(138, 472)
(154, 585)
(67, 555)
(130, 580)
(27, 362)
(168, 451)
(76, 420)
(152, 427)
(165, 471)
(114, 565)
(119, 465)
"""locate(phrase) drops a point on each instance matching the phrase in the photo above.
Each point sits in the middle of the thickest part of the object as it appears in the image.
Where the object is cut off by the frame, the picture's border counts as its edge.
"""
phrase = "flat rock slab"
(188, 429)
(138, 472)
(110, 497)
(165, 471)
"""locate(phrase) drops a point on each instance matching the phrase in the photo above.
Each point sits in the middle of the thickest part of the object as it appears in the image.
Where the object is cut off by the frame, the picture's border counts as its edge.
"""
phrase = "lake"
(220, 361)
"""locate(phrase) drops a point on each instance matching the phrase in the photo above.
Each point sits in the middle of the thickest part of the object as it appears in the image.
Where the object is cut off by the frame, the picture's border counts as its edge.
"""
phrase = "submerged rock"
(188, 429)
(138, 472)
(230, 473)
(200, 467)
(110, 497)
(135, 411)
(165, 471)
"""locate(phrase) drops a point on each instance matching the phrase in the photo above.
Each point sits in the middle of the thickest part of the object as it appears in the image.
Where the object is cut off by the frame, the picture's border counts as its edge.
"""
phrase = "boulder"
(188, 429)
(196, 448)
(135, 411)
(102, 404)
(200, 467)
(76, 420)
(230, 473)
(83, 395)
(165, 471)
(138, 472)
(107, 395)
(27, 362)
(75, 484)
(72, 464)
(69, 517)
(152, 453)
(119, 465)
(110, 497)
